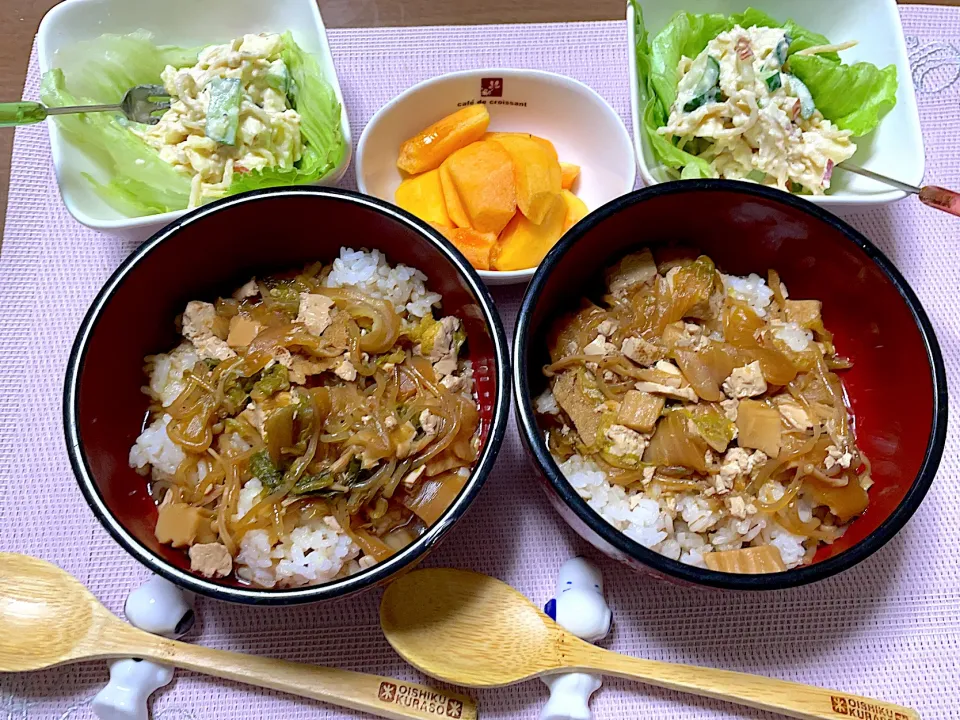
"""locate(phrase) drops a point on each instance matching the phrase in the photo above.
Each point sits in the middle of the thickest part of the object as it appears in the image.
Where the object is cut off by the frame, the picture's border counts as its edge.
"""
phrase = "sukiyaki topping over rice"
(701, 414)
(309, 425)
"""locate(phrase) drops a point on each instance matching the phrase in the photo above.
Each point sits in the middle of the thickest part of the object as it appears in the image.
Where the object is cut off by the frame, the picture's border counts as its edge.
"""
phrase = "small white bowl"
(188, 23)
(894, 149)
(581, 125)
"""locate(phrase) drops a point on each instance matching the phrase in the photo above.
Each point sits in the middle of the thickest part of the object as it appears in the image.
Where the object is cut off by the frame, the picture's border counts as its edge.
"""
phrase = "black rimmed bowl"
(208, 253)
(897, 387)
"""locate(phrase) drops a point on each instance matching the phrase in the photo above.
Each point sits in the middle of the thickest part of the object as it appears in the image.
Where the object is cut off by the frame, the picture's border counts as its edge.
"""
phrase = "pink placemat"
(888, 628)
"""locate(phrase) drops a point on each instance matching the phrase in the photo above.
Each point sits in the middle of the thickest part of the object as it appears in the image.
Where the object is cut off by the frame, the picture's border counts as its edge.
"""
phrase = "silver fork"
(138, 104)
(931, 195)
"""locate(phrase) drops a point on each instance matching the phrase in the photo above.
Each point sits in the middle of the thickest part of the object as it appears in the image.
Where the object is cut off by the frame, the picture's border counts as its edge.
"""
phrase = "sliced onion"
(673, 444)
(699, 374)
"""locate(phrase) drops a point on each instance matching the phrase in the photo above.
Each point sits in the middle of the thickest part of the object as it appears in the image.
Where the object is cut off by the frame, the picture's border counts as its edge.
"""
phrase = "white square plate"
(171, 22)
(894, 149)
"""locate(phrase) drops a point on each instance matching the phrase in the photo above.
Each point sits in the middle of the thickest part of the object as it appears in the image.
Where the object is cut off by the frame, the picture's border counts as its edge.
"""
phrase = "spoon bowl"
(470, 629)
(46, 614)
(48, 618)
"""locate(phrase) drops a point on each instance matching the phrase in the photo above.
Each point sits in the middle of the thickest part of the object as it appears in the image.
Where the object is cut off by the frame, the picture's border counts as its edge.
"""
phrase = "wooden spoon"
(47, 618)
(470, 629)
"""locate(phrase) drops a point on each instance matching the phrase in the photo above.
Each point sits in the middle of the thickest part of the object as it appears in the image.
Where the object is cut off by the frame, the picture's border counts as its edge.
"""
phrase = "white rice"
(797, 338)
(312, 553)
(546, 403)
(154, 447)
(370, 273)
(790, 545)
(166, 380)
(645, 522)
(250, 494)
(682, 527)
(751, 289)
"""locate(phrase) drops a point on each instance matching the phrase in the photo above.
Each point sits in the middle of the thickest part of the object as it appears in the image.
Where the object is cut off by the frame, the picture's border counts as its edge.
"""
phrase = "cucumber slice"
(773, 82)
(699, 85)
(711, 95)
(807, 106)
(223, 110)
(781, 50)
(278, 77)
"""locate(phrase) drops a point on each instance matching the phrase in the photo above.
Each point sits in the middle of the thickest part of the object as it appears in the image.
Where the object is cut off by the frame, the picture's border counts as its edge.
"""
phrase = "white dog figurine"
(579, 607)
(161, 608)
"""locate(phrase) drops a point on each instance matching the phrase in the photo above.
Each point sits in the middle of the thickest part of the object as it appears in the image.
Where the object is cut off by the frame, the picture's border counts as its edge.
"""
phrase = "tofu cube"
(178, 524)
(315, 312)
(211, 560)
(641, 352)
(640, 410)
(759, 427)
(746, 381)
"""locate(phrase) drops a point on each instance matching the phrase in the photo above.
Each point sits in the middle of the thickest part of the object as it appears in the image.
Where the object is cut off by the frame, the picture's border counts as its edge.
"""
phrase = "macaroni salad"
(230, 114)
(739, 108)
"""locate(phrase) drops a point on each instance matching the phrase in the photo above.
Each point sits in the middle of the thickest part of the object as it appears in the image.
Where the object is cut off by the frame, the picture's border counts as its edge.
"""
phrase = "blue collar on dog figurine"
(579, 607)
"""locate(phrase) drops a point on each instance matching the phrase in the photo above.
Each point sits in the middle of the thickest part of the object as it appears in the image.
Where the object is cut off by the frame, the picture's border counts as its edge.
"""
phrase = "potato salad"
(230, 113)
(740, 109)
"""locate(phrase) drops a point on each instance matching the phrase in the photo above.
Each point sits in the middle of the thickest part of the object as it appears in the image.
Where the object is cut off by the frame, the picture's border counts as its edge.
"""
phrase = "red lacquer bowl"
(897, 386)
(211, 252)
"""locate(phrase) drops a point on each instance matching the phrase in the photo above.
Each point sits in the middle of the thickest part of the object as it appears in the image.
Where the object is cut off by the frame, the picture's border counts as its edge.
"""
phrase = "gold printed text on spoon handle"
(377, 695)
(788, 698)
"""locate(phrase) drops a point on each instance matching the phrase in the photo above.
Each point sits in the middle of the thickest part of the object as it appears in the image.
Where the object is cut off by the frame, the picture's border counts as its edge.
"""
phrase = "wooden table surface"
(19, 20)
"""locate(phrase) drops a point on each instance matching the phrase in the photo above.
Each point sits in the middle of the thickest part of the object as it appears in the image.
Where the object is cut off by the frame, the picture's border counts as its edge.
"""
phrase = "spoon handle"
(380, 696)
(756, 691)
(941, 199)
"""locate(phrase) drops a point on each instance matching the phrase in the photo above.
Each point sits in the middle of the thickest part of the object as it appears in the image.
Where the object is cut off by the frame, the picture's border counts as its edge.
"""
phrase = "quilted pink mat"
(888, 628)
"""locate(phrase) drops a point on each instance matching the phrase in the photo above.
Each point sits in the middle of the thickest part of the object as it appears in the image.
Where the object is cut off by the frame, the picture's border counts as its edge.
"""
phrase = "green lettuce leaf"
(855, 97)
(657, 85)
(103, 69)
(313, 97)
(686, 34)
(141, 183)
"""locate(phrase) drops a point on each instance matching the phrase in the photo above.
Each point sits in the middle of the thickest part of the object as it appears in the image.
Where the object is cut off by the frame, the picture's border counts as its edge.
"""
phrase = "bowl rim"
(494, 277)
(310, 593)
(46, 49)
(526, 419)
